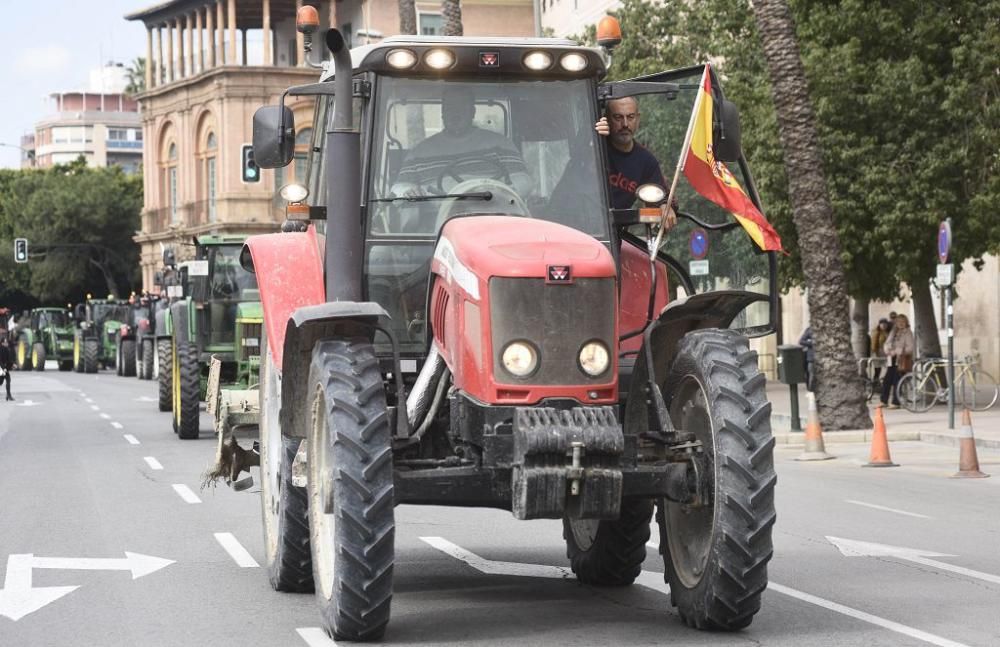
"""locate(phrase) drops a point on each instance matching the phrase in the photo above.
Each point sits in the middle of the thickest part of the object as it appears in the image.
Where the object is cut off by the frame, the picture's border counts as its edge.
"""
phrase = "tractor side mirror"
(273, 136)
(80, 313)
(726, 138)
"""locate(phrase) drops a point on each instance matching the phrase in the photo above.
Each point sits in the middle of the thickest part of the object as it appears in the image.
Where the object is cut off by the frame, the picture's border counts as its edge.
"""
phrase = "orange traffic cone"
(814, 449)
(880, 445)
(968, 460)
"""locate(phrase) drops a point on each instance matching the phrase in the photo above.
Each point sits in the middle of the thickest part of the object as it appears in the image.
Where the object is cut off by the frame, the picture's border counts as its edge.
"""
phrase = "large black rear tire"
(146, 359)
(127, 359)
(187, 388)
(285, 507)
(716, 554)
(164, 358)
(77, 353)
(351, 517)
(91, 355)
(609, 552)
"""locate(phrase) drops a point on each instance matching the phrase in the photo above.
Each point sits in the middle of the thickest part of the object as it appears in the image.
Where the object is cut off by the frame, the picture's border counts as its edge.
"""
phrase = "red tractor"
(468, 323)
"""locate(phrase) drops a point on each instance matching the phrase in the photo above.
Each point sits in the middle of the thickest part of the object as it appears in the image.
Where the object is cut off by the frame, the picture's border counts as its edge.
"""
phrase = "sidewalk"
(900, 424)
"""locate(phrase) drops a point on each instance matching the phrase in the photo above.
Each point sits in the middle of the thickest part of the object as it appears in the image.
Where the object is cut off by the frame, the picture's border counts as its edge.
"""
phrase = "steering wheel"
(505, 199)
(492, 156)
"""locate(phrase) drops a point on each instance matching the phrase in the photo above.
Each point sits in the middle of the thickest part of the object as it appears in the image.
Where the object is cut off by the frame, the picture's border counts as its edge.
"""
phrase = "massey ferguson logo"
(559, 274)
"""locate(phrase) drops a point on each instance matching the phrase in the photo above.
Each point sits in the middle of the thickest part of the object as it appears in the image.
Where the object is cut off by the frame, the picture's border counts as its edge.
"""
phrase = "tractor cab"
(461, 309)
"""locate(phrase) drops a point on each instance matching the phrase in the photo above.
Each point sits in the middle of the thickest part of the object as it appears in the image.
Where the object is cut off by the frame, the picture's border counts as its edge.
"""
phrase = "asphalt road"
(90, 471)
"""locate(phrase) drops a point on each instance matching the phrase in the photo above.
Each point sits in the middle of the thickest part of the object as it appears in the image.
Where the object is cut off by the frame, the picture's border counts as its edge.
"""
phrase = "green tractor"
(100, 323)
(48, 334)
(214, 329)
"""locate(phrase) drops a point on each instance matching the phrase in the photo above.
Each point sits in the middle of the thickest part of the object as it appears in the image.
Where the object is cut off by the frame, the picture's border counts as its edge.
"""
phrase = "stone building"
(212, 63)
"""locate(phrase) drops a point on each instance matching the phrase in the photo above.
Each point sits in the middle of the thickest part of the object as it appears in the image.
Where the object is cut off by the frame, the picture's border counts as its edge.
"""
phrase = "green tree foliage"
(136, 73)
(79, 222)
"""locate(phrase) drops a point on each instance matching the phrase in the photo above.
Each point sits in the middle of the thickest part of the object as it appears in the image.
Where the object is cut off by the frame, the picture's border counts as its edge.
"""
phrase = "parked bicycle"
(927, 385)
(872, 370)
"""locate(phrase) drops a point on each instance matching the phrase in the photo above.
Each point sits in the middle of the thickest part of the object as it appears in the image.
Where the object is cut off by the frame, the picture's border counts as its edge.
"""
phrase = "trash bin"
(791, 364)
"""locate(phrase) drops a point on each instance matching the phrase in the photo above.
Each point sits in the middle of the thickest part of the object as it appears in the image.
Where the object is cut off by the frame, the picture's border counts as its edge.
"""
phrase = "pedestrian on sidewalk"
(879, 334)
(6, 364)
(898, 349)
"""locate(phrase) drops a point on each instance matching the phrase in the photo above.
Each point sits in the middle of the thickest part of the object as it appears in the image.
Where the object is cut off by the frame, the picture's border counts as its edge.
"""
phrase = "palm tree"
(407, 16)
(840, 399)
(136, 73)
(451, 11)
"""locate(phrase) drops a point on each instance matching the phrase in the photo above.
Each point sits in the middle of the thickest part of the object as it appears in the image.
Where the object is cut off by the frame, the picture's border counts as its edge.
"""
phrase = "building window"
(429, 24)
(210, 152)
(138, 134)
(171, 174)
(118, 134)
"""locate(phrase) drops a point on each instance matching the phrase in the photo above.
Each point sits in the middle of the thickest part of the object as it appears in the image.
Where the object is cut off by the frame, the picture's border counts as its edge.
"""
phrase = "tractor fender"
(162, 329)
(289, 273)
(304, 328)
(707, 310)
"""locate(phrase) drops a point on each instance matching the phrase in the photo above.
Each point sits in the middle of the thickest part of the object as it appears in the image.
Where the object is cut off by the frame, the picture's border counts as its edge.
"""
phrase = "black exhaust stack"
(344, 237)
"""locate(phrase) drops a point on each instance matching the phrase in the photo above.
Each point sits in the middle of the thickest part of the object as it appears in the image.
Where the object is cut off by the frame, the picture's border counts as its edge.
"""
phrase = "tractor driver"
(461, 151)
(630, 164)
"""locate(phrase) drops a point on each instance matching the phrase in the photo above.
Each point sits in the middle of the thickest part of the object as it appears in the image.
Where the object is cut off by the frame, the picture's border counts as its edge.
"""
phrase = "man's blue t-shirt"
(628, 171)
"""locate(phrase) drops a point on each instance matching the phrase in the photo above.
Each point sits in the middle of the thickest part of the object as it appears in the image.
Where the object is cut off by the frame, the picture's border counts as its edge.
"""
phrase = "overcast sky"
(51, 46)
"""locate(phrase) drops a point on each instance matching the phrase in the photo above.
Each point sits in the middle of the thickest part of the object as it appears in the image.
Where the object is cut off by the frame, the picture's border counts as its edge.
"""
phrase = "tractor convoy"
(454, 313)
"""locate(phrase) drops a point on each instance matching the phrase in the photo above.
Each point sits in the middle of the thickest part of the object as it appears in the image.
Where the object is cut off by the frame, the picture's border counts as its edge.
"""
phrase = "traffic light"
(20, 250)
(251, 172)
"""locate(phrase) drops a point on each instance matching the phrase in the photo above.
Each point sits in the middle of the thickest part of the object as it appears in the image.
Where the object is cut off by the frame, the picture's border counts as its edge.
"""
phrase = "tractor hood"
(510, 246)
(250, 311)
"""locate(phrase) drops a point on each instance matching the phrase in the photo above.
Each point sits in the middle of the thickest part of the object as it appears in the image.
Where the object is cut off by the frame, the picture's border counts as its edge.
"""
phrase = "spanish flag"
(713, 180)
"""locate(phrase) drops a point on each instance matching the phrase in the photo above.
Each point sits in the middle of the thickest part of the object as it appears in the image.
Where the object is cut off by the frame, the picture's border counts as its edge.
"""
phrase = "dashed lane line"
(152, 462)
(655, 581)
(117, 425)
(885, 509)
(185, 493)
(95, 407)
(315, 637)
(106, 416)
(240, 555)
(132, 440)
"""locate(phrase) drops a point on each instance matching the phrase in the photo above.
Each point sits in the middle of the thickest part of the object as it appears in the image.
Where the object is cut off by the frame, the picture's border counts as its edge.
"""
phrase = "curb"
(848, 436)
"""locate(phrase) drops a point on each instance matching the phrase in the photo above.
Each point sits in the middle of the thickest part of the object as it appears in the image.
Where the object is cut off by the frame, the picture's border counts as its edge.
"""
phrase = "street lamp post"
(30, 154)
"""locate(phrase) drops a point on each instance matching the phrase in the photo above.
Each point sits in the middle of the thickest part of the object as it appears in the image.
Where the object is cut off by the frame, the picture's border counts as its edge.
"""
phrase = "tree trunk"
(839, 395)
(109, 277)
(925, 327)
(451, 11)
(407, 17)
(860, 326)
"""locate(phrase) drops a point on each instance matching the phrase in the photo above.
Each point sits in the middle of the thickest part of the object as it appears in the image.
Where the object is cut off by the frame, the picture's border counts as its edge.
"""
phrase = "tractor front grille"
(250, 343)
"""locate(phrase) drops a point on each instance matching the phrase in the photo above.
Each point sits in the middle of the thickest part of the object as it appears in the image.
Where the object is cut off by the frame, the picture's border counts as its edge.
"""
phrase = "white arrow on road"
(855, 548)
(27, 403)
(18, 598)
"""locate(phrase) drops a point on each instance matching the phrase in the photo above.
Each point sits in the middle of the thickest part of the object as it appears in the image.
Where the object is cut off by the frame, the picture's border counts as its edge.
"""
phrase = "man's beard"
(622, 138)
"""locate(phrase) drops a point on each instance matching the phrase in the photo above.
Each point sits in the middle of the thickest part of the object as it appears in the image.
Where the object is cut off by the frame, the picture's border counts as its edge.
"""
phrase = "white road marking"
(854, 548)
(655, 581)
(95, 407)
(236, 550)
(132, 440)
(885, 509)
(146, 398)
(866, 617)
(186, 493)
(152, 462)
(316, 637)
(117, 425)
(106, 416)
(88, 400)
(27, 403)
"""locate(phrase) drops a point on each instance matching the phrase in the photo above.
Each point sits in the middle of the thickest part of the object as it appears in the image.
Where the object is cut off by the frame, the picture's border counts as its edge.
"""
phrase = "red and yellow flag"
(712, 179)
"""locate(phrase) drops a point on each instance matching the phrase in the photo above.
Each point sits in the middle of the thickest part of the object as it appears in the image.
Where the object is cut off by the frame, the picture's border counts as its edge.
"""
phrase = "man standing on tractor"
(630, 164)
(6, 364)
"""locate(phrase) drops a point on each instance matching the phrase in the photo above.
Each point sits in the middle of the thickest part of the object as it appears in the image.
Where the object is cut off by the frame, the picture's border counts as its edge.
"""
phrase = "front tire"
(716, 554)
(91, 355)
(187, 385)
(22, 355)
(165, 374)
(38, 356)
(77, 354)
(126, 362)
(351, 518)
(285, 507)
(609, 552)
(146, 360)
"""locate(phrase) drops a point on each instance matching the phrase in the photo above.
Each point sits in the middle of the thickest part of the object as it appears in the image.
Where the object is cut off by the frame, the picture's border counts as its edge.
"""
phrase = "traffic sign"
(945, 275)
(698, 243)
(944, 241)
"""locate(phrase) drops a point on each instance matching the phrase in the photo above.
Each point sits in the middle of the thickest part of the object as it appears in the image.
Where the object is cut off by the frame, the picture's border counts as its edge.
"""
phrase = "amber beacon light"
(307, 19)
(609, 32)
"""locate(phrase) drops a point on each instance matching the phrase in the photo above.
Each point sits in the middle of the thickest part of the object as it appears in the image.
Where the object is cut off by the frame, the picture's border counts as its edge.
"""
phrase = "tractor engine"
(523, 314)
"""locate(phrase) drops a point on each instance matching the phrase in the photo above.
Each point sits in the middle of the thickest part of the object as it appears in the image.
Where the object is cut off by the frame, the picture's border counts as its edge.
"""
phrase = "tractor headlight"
(573, 62)
(439, 59)
(651, 193)
(538, 61)
(594, 358)
(401, 59)
(293, 192)
(520, 358)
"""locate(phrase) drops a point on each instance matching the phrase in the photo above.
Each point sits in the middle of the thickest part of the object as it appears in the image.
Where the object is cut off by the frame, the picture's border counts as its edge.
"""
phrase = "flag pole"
(680, 165)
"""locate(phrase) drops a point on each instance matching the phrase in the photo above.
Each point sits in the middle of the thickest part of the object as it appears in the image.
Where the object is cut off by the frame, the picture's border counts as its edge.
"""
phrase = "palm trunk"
(925, 327)
(407, 17)
(451, 11)
(839, 395)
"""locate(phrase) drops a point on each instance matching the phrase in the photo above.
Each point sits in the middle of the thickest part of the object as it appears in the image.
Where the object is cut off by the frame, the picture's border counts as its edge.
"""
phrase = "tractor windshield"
(229, 281)
(442, 148)
(104, 312)
(54, 318)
